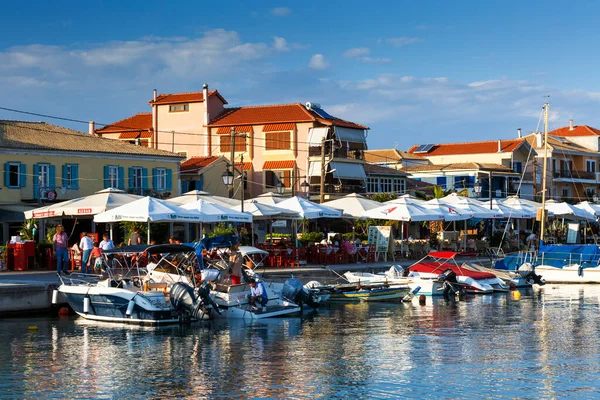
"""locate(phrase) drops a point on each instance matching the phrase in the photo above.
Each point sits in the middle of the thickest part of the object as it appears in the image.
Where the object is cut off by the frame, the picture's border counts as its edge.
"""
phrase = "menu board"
(380, 236)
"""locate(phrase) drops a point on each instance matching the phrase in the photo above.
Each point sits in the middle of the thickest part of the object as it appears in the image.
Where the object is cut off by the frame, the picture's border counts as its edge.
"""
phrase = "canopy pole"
(111, 230)
(402, 237)
(465, 237)
(148, 231)
(252, 232)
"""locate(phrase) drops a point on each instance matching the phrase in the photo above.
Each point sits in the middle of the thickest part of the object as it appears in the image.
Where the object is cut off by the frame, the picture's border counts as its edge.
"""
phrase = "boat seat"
(162, 286)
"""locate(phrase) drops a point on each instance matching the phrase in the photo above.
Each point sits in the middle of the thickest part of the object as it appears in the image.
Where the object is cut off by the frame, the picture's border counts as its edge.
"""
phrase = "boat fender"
(55, 296)
(422, 299)
(580, 270)
(86, 304)
(130, 306)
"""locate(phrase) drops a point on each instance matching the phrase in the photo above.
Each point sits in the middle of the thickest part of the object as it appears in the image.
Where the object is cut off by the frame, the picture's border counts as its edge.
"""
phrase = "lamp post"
(305, 186)
(280, 188)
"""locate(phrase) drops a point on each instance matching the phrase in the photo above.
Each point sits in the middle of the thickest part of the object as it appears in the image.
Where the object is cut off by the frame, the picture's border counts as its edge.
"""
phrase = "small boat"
(352, 292)
(126, 292)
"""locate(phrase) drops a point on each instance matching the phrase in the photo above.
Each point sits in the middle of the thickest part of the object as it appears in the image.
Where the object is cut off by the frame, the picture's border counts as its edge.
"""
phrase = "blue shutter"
(184, 186)
(441, 181)
(121, 178)
(22, 175)
(36, 181)
(106, 181)
(155, 178)
(131, 178)
(52, 177)
(471, 182)
(6, 174)
(144, 178)
(65, 168)
(75, 175)
(169, 179)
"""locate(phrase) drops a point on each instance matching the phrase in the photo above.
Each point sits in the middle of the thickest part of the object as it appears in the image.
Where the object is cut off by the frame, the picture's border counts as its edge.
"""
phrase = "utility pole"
(243, 180)
(232, 159)
(534, 178)
(543, 219)
(293, 182)
(172, 141)
(323, 168)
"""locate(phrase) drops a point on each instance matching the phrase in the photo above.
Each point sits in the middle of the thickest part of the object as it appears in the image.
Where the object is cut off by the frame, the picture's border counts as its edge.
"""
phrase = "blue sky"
(415, 72)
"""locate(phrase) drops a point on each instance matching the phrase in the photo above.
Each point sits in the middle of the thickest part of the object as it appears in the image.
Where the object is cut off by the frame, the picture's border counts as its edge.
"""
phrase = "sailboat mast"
(543, 221)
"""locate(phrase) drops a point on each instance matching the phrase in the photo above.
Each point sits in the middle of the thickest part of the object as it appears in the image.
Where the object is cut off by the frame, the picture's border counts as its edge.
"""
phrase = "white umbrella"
(89, 205)
(567, 210)
(265, 211)
(589, 207)
(521, 208)
(192, 196)
(309, 210)
(403, 209)
(353, 205)
(270, 198)
(450, 213)
(209, 212)
(473, 206)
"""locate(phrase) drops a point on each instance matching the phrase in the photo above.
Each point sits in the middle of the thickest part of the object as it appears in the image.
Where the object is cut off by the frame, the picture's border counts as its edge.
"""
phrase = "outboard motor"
(448, 277)
(527, 272)
(185, 302)
(293, 290)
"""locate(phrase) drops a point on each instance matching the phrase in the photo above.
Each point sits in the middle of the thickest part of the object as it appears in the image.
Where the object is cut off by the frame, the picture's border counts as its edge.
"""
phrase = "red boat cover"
(443, 254)
(436, 267)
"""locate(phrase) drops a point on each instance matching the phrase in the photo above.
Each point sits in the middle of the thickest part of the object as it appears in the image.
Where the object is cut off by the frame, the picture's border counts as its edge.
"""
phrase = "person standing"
(135, 238)
(59, 245)
(106, 243)
(86, 245)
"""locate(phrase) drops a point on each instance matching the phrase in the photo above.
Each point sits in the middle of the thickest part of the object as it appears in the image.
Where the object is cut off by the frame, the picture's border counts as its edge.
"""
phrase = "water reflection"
(544, 344)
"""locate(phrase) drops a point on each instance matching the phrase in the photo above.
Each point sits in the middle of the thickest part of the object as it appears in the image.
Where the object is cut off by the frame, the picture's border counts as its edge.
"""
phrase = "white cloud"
(356, 52)
(318, 61)
(373, 60)
(281, 11)
(403, 40)
(280, 44)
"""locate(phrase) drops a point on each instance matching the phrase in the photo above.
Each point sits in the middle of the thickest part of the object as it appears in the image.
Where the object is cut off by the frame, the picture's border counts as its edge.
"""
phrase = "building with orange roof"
(273, 141)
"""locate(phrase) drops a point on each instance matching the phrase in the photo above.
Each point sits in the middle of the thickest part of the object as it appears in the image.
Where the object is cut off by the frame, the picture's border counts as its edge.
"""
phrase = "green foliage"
(383, 197)
(50, 232)
(3, 253)
(27, 229)
(310, 237)
(276, 235)
(360, 236)
(221, 230)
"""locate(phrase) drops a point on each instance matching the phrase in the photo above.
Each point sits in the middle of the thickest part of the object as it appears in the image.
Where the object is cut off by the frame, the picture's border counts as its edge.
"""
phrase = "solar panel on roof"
(322, 113)
(424, 148)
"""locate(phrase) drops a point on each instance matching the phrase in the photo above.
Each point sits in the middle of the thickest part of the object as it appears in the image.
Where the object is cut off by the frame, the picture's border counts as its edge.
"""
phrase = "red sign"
(43, 214)
(84, 211)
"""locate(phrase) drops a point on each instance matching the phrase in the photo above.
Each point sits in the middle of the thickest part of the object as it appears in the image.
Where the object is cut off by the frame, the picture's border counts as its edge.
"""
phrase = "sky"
(414, 72)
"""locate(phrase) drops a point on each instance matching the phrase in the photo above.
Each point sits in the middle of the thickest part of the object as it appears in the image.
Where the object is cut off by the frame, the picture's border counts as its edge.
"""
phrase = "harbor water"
(544, 344)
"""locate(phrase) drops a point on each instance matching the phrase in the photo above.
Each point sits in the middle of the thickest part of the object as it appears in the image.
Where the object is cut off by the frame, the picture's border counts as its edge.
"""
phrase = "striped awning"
(282, 164)
(278, 127)
(135, 135)
(247, 165)
(238, 129)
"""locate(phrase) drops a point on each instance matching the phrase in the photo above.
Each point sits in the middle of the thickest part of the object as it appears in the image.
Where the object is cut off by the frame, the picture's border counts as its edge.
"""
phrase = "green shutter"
(169, 179)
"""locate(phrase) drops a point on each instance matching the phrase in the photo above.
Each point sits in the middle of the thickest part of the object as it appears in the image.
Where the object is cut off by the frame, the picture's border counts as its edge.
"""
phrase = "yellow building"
(44, 163)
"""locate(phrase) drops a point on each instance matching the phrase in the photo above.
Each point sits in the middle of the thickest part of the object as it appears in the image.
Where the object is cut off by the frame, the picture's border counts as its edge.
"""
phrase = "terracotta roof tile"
(135, 135)
(278, 127)
(373, 169)
(239, 129)
(275, 114)
(138, 122)
(247, 165)
(457, 166)
(41, 136)
(563, 145)
(578, 130)
(196, 163)
(190, 97)
(281, 164)
(506, 146)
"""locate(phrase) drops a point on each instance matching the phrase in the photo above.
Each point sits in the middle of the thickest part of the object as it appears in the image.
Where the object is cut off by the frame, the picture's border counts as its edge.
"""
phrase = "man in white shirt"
(106, 243)
(258, 294)
(86, 246)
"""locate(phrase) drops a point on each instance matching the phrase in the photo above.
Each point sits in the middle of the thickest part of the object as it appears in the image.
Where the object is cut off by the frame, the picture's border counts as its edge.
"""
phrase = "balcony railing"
(571, 174)
(332, 189)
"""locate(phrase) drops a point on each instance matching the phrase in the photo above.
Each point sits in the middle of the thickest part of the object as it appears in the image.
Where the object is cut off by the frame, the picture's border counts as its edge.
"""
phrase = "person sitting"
(258, 294)
(348, 247)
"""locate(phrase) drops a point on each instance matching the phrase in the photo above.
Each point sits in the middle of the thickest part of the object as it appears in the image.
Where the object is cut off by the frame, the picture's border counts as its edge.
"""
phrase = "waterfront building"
(45, 163)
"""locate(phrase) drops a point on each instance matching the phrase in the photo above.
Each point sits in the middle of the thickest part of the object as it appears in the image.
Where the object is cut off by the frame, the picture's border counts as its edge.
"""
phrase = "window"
(273, 178)
(517, 166)
(12, 177)
(70, 176)
(277, 141)
(137, 178)
(386, 185)
(160, 179)
(44, 175)
(590, 165)
(566, 193)
(372, 185)
(179, 107)
(113, 176)
(225, 144)
(398, 185)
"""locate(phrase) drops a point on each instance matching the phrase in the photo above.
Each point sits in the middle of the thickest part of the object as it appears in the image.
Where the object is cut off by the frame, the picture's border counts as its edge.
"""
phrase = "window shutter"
(6, 174)
(36, 181)
(144, 178)
(64, 183)
(155, 178)
(185, 186)
(287, 181)
(106, 181)
(169, 179)
(121, 178)
(130, 175)
(52, 177)
(75, 176)
(22, 175)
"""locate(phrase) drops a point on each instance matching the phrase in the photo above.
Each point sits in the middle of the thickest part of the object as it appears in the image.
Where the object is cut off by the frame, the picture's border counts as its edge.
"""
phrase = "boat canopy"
(555, 256)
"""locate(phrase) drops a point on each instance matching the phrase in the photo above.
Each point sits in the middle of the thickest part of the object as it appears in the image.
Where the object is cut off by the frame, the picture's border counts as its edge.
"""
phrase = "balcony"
(574, 175)
(337, 189)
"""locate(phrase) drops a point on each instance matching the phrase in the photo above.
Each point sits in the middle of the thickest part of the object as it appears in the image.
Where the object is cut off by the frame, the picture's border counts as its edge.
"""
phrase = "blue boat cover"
(555, 256)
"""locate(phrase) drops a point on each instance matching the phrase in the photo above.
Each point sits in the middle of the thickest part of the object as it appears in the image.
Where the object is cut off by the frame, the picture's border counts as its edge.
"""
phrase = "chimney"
(205, 95)
(539, 140)
(519, 133)
(92, 128)
(499, 146)
(571, 126)
(154, 94)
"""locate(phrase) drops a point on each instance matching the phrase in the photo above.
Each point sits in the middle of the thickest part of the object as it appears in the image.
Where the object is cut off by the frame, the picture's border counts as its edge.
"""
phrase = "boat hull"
(384, 294)
(568, 274)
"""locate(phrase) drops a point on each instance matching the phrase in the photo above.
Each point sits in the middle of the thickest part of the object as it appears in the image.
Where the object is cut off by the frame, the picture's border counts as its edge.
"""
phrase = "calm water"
(544, 345)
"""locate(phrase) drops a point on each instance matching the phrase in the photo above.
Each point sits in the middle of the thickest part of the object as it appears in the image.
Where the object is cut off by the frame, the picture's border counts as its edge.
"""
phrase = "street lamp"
(477, 188)
(228, 178)
(305, 186)
(280, 188)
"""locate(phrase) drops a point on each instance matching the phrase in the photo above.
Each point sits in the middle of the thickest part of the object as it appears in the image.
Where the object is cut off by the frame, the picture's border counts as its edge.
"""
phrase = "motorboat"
(126, 293)
(431, 273)
(394, 275)
(354, 292)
